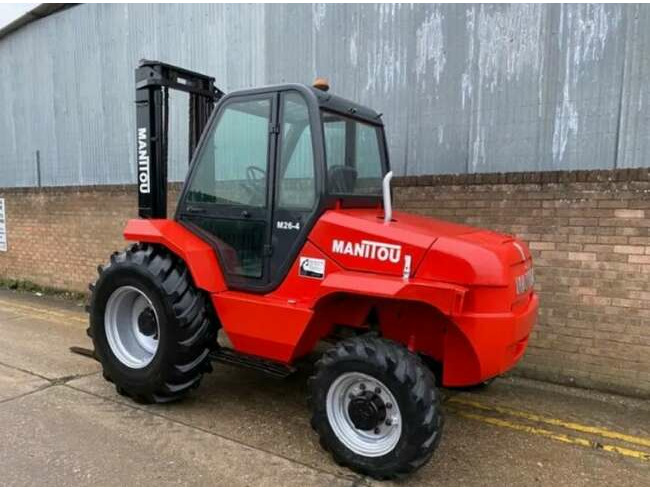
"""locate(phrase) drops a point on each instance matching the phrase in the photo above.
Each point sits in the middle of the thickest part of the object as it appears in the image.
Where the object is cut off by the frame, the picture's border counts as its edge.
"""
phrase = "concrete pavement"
(62, 424)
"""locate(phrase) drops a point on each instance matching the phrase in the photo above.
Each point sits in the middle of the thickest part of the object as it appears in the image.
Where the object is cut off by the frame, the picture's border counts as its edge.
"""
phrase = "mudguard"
(197, 254)
(448, 298)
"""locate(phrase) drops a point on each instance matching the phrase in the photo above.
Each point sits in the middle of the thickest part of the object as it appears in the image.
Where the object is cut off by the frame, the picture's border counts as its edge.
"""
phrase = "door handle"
(195, 210)
(245, 214)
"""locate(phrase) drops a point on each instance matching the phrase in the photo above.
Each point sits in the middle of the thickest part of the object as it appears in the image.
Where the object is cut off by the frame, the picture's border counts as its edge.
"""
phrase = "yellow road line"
(58, 321)
(578, 441)
(41, 313)
(609, 434)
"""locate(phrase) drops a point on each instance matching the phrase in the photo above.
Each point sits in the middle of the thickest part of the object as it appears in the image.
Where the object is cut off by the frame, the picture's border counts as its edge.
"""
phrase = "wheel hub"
(147, 323)
(132, 327)
(366, 410)
(363, 414)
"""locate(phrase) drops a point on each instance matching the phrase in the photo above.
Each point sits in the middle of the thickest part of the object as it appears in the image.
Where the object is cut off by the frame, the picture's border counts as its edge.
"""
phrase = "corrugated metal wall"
(464, 88)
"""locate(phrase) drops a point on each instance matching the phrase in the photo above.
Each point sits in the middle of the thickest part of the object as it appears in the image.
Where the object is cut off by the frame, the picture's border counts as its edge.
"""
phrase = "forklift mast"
(153, 80)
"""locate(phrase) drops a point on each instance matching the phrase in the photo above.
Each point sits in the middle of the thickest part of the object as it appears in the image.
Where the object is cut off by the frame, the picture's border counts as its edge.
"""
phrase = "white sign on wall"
(3, 226)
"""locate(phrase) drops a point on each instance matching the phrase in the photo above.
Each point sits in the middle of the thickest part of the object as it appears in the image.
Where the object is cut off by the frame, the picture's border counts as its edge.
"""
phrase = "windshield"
(353, 152)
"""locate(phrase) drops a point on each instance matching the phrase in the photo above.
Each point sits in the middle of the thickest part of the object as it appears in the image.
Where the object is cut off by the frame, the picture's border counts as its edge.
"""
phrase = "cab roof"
(332, 102)
(325, 100)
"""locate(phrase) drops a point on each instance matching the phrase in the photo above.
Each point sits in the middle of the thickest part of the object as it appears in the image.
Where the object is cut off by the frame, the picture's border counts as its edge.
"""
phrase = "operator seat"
(341, 179)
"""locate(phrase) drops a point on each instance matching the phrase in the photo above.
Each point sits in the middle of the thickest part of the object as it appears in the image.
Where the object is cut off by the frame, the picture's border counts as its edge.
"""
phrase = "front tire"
(375, 407)
(151, 328)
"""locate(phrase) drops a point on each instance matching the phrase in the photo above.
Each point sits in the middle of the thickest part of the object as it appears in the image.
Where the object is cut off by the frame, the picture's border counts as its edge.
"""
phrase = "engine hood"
(479, 258)
(426, 248)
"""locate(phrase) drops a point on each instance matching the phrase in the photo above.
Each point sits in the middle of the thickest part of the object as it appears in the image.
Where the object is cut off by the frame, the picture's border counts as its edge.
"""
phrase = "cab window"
(297, 184)
(353, 154)
(234, 164)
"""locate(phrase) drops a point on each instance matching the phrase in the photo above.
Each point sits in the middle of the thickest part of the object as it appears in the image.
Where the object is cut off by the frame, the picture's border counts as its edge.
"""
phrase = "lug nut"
(377, 430)
(389, 422)
(389, 405)
(362, 387)
(378, 390)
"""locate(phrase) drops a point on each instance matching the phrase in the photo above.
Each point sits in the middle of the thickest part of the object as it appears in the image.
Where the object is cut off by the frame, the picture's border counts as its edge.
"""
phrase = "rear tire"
(375, 407)
(151, 328)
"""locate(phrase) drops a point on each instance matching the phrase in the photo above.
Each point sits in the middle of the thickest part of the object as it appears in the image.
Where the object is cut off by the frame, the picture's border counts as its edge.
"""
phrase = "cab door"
(228, 197)
(297, 177)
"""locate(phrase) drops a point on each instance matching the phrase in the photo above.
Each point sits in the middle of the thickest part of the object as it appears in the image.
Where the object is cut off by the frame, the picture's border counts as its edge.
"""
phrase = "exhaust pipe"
(388, 205)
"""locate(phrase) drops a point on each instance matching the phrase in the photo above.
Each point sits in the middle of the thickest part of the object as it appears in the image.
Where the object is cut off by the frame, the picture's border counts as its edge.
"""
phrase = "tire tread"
(395, 360)
(192, 315)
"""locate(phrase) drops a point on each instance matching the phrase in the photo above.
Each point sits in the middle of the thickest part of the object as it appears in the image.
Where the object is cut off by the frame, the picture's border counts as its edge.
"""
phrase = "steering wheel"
(255, 184)
(255, 174)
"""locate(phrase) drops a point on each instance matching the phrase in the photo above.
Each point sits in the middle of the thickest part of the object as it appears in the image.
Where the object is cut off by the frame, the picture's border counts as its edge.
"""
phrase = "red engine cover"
(358, 239)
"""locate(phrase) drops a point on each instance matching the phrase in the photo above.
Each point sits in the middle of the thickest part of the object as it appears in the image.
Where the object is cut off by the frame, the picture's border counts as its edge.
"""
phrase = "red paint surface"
(198, 255)
(458, 305)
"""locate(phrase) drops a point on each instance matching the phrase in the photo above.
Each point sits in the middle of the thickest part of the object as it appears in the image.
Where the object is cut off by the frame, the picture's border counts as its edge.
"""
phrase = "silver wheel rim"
(363, 442)
(129, 344)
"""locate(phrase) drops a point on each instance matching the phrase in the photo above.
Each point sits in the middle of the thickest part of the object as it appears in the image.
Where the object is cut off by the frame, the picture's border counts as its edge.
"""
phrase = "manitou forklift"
(284, 239)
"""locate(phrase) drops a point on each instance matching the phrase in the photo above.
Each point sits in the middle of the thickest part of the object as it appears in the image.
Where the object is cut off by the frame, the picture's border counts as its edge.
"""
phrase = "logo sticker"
(312, 267)
(143, 161)
(368, 249)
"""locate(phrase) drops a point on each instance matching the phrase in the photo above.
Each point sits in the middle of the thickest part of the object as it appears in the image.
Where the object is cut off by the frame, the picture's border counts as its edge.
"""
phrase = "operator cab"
(270, 161)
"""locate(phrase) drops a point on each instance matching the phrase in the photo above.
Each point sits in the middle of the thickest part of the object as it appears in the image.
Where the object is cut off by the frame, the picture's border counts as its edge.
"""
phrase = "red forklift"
(284, 239)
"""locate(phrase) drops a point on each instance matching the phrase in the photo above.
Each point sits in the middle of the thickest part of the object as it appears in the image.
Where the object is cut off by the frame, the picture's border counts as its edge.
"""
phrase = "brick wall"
(588, 231)
(57, 236)
(589, 235)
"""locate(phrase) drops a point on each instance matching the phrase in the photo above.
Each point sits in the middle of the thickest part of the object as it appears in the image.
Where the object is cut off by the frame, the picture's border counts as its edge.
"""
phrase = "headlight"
(525, 282)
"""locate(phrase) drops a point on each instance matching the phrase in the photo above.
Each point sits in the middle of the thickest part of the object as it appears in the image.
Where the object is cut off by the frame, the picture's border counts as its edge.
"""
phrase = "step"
(271, 368)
